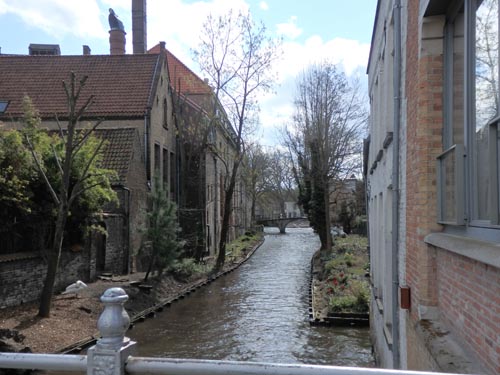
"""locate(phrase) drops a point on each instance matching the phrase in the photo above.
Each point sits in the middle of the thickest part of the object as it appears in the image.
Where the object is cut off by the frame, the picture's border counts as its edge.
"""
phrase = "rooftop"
(121, 84)
(183, 79)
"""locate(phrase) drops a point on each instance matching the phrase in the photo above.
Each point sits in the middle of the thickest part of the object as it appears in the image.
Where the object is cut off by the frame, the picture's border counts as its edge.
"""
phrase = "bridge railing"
(113, 355)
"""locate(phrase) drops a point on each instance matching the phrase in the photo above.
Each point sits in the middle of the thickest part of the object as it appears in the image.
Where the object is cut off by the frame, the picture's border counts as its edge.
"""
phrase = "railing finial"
(114, 320)
(111, 351)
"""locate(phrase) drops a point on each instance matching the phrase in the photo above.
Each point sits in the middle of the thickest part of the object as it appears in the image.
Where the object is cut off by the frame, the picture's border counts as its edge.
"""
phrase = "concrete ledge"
(481, 251)
(444, 348)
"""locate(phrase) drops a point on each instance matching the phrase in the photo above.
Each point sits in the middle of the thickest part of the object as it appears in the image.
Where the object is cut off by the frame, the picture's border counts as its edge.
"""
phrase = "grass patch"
(343, 283)
(242, 244)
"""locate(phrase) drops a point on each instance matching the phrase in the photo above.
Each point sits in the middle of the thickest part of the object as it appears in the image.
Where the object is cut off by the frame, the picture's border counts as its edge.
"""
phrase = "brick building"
(206, 151)
(132, 98)
(146, 102)
(432, 185)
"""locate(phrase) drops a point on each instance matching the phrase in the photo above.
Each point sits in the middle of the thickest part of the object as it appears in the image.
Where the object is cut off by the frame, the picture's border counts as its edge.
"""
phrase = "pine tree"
(161, 233)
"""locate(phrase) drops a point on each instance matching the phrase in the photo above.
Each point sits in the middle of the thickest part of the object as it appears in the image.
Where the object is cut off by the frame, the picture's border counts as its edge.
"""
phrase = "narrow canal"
(257, 313)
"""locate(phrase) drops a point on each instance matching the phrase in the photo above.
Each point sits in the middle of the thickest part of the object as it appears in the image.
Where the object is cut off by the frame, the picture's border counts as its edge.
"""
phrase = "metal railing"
(112, 355)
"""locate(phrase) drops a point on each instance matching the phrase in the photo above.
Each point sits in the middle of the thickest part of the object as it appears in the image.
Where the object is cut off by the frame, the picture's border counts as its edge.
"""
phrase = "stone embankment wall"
(22, 275)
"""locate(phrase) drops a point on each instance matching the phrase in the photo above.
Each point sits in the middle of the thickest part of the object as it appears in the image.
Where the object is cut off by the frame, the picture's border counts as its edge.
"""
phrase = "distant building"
(206, 147)
(432, 185)
(292, 209)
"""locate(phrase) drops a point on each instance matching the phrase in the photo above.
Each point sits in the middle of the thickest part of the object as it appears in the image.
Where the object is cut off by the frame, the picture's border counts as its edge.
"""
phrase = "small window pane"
(3, 105)
(486, 101)
(451, 196)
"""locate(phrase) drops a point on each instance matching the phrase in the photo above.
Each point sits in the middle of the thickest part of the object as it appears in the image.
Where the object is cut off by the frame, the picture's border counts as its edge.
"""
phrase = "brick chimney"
(139, 24)
(117, 42)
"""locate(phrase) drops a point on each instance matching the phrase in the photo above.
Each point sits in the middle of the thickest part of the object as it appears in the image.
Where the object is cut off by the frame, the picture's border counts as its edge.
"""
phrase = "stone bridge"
(278, 222)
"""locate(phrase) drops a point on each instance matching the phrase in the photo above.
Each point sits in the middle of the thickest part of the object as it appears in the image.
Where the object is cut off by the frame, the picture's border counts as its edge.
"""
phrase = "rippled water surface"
(256, 313)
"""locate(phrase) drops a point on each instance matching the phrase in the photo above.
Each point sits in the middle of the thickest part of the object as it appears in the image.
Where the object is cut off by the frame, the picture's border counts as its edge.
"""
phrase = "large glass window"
(468, 166)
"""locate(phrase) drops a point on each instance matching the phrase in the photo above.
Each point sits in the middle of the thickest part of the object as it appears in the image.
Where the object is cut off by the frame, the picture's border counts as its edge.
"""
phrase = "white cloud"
(349, 54)
(59, 17)
(277, 110)
(289, 29)
(263, 5)
(180, 24)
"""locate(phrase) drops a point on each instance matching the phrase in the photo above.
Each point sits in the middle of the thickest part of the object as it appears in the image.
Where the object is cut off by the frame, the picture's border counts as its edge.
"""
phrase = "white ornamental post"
(109, 354)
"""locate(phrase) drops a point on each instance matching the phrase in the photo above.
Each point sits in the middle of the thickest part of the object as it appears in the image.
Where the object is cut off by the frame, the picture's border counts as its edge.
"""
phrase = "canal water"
(257, 313)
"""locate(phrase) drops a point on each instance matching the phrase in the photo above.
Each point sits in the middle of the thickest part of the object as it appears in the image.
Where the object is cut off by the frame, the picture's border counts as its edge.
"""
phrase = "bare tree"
(281, 180)
(237, 56)
(71, 182)
(195, 133)
(325, 139)
(255, 173)
(487, 55)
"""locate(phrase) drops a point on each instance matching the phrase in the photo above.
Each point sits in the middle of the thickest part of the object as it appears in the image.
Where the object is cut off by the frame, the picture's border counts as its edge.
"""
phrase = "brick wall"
(22, 280)
(424, 90)
(465, 292)
(424, 81)
(469, 302)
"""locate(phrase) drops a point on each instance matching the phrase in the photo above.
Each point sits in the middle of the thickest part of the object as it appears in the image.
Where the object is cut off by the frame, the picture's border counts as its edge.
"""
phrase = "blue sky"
(314, 30)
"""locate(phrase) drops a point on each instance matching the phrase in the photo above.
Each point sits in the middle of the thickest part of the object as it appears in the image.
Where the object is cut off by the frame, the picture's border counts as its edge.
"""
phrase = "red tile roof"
(121, 84)
(119, 149)
(183, 77)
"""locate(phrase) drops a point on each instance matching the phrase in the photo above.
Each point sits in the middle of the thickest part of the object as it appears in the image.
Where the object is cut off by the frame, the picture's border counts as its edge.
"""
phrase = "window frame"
(465, 168)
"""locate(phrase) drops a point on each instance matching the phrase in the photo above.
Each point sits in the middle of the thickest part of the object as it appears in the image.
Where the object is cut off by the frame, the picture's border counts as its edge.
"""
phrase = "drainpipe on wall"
(395, 184)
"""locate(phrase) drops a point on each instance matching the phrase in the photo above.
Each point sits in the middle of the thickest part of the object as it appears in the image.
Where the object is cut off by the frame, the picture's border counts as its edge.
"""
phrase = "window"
(468, 166)
(173, 172)
(165, 114)
(3, 105)
(165, 168)
(157, 160)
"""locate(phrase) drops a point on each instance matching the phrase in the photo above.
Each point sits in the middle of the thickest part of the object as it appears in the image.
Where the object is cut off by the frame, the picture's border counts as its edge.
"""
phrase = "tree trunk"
(328, 234)
(150, 266)
(221, 258)
(252, 211)
(53, 263)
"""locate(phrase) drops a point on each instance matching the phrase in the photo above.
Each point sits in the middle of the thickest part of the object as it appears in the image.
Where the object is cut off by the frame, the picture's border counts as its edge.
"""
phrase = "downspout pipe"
(395, 184)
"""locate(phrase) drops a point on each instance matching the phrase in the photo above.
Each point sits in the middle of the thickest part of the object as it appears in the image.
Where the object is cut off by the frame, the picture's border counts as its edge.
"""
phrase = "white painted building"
(380, 187)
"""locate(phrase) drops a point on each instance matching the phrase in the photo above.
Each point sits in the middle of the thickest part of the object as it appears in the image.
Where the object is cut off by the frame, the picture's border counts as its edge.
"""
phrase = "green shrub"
(334, 264)
(361, 292)
(342, 303)
(355, 298)
(186, 268)
(348, 259)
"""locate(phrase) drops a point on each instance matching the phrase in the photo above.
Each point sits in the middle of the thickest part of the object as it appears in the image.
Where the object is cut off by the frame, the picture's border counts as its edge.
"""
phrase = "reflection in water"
(257, 313)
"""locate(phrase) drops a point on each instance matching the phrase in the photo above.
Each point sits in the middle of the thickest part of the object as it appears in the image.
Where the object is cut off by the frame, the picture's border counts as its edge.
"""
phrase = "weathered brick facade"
(453, 323)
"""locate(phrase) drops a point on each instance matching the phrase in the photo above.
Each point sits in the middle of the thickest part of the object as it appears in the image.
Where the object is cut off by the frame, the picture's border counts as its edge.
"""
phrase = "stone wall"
(23, 274)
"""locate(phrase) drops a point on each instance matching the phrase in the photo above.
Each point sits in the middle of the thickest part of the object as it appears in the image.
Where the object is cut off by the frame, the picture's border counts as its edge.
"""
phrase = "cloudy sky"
(313, 30)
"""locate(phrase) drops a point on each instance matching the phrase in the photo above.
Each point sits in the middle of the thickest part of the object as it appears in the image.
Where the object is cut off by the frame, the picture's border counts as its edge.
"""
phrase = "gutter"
(395, 184)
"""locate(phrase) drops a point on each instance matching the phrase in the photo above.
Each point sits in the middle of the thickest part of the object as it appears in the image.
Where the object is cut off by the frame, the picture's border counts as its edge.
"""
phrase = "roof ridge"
(187, 68)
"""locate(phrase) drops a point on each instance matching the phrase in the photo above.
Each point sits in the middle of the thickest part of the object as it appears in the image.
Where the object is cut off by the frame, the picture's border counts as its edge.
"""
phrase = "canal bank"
(73, 321)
